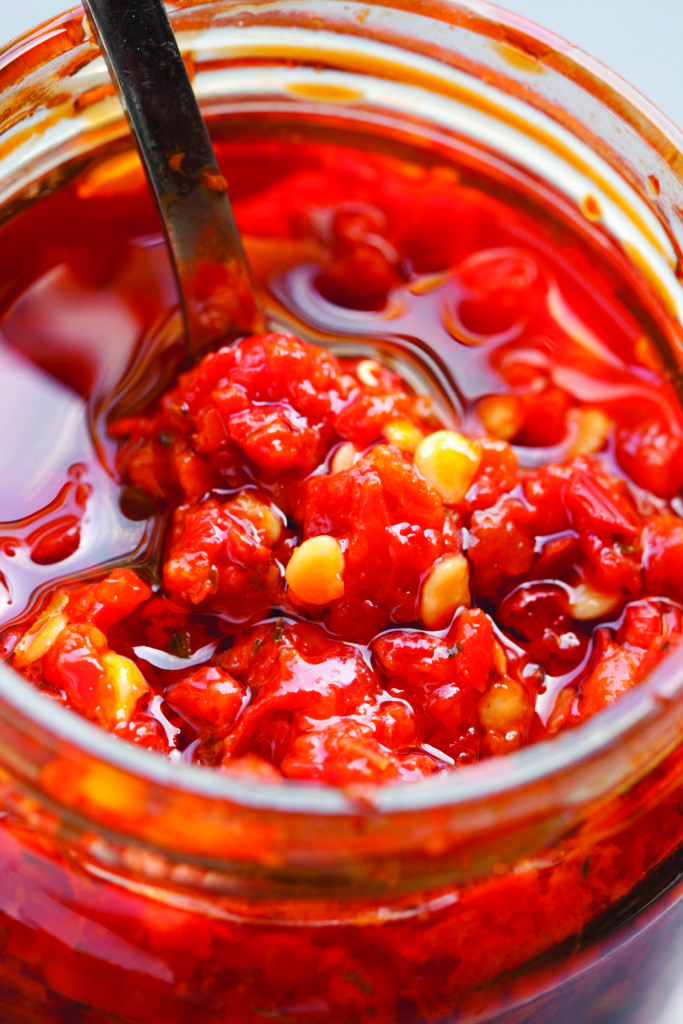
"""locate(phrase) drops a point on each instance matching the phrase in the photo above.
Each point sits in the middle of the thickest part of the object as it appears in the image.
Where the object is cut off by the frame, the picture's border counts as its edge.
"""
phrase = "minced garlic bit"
(590, 430)
(343, 458)
(404, 434)
(586, 603)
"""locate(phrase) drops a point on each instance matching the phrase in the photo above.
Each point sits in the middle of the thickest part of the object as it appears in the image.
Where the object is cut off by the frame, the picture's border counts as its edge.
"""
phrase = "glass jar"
(544, 886)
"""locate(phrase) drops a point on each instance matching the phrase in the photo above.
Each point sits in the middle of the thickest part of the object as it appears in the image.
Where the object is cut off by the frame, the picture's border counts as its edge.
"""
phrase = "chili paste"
(353, 582)
(433, 517)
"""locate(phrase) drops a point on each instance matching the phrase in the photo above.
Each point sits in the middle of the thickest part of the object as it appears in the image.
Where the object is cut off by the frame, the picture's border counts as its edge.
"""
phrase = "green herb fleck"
(179, 644)
(455, 649)
(166, 438)
(362, 983)
(256, 646)
(279, 631)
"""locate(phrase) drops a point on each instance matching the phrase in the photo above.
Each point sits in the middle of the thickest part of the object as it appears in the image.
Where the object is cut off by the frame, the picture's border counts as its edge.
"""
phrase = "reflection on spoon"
(214, 280)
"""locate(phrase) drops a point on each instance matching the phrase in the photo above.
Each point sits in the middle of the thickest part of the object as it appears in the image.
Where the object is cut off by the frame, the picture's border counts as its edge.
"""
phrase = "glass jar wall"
(541, 886)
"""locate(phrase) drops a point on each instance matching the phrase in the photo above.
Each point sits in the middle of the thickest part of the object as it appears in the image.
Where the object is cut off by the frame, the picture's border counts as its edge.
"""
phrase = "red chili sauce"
(299, 561)
(350, 581)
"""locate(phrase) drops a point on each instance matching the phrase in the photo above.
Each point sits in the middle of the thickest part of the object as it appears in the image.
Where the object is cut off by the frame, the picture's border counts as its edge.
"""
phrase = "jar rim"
(494, 777)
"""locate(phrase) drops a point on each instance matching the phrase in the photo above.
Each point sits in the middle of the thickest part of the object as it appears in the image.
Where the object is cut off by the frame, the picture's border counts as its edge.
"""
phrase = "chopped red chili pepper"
(355, 584)
(342, 580)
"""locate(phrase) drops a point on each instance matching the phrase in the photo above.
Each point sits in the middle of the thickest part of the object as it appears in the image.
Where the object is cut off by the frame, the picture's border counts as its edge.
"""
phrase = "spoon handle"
(216, 288)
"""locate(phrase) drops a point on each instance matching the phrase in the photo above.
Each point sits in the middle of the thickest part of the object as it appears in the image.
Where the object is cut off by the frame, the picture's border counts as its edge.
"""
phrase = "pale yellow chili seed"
(448, 462)
(315, 571)
(42, 635)
(446, 588)
(504, 707)
(262, 516)
(404, 435)
(500, 662)
(127, 684)
(501, 415)
(367, 371)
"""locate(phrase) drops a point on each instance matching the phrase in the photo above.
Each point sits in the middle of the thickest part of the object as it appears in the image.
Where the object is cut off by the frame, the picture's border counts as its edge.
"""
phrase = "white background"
(640, 39)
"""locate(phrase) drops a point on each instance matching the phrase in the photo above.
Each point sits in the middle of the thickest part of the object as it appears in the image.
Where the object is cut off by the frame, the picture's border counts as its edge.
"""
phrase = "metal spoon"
(216, 288)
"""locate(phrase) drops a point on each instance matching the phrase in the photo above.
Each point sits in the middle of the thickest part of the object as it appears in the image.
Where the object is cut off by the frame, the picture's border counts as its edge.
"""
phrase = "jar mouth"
(640, 723)
(614, 728)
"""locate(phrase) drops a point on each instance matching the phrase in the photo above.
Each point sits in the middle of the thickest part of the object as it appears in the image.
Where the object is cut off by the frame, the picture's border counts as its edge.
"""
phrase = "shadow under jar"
(539, 887)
